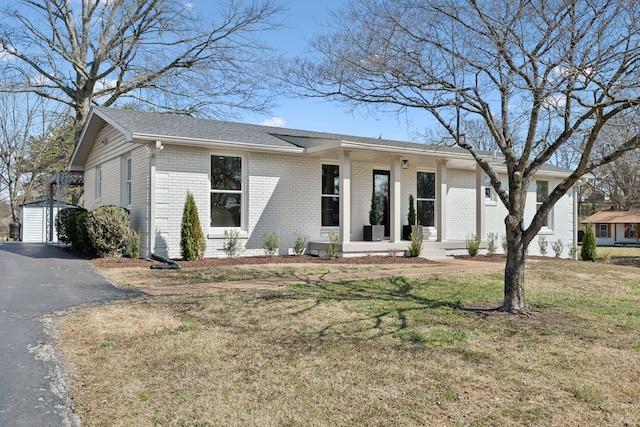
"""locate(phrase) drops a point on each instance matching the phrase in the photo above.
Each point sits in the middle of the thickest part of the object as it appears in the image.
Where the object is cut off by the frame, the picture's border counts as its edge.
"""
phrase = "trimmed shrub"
(473, 245)
(334, 245)
(374, 214)
(542, 245)
(192, 244)
(492, 243)
(411, 216)
(300, 246)
(588, 252)
(107, 228)
(558, 247)
(231, 243)
(81, 237)
(415, 247)
(133, 244)
(69, 231)
(271, 243)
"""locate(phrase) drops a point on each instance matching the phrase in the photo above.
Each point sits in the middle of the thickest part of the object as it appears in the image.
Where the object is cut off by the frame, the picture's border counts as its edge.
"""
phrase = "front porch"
(430, 249)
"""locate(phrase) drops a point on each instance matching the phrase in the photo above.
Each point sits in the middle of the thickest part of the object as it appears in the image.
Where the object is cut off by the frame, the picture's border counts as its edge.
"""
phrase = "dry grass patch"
(372, 352)
(145, 278)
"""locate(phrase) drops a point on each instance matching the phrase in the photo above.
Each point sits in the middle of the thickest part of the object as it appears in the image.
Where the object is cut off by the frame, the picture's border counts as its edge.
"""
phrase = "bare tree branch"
(542, 76)
(96, 52)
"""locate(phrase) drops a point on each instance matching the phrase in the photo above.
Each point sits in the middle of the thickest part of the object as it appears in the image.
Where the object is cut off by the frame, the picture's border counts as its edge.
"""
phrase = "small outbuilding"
(34, 219)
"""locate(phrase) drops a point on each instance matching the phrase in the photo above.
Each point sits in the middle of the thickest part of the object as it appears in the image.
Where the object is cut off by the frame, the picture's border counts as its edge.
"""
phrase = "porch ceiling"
(425, 159)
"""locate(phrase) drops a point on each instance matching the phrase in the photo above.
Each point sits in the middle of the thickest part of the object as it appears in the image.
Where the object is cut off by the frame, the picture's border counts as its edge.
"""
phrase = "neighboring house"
(257, 179)
(615, 227)
(35, 218)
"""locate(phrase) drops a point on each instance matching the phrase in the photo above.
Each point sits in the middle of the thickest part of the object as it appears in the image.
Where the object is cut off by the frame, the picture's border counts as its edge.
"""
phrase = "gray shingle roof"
(159, 125)
(156, 125)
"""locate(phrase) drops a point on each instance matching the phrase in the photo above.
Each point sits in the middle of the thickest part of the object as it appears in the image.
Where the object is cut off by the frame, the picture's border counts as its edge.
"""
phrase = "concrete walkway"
(443, 266)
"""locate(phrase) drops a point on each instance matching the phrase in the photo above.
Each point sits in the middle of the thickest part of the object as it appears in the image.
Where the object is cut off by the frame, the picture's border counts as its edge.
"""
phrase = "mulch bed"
(257, 260)
(503, 258)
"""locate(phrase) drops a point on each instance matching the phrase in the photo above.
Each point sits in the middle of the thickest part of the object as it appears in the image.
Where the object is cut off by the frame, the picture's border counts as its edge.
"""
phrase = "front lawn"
(377, 352)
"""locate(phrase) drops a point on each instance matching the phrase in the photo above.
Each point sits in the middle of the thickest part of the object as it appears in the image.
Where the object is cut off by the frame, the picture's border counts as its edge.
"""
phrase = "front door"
(381, 189)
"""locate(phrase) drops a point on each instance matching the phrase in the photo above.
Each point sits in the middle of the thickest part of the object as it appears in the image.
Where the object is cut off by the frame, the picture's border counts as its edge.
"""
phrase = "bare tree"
(21, 117)
(540, 74)
(620, 182)
(156, 52)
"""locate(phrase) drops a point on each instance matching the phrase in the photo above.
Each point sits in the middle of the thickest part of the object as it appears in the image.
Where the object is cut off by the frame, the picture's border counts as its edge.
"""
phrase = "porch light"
(404, 164)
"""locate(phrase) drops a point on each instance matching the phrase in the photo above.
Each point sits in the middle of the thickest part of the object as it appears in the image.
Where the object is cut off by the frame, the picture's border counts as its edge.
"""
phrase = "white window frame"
(98, 183)
(426, 199)
(549, 219)
(127, 173)
(630, 231)
(492, 197)
(606, 231)
(324, 195)
(219, 230)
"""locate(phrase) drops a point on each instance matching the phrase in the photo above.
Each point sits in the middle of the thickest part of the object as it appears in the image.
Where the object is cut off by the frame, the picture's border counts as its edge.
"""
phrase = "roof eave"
(216, 143)
(93, 125)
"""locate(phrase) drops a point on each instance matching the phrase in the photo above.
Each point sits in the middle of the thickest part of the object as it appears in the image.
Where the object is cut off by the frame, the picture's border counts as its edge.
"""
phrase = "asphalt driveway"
(37, 280)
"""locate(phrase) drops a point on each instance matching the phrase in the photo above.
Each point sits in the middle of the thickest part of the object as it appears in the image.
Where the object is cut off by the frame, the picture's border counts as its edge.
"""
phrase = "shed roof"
(613, 217)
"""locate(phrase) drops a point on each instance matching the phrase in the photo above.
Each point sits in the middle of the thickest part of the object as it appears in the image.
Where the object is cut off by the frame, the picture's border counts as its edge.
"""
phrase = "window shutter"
(608, 230)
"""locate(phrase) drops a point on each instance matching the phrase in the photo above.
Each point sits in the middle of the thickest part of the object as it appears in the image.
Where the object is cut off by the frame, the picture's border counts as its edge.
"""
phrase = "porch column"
(345, 197)
(480, 196)
(441, 200)
(395, 233)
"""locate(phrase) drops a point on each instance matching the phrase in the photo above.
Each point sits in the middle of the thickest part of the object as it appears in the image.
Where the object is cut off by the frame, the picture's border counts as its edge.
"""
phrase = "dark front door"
(381, 188)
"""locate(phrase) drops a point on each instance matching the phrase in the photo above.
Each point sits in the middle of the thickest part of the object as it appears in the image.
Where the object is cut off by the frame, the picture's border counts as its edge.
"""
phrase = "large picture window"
(226, 191)
(426, 200)
(330, 195)
(542, 192)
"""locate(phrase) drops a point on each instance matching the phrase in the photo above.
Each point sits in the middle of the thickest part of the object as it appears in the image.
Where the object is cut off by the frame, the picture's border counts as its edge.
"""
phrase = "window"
(542, 192)
(488, 190)
(330, 195)
(603, 230)
(426, 200)
(630, 231)
(126, 182)
(226, 191)
(98, 189)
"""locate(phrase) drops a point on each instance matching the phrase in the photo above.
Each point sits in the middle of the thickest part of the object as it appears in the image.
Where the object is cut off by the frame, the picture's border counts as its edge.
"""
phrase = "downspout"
(575, 220)
(154, 150)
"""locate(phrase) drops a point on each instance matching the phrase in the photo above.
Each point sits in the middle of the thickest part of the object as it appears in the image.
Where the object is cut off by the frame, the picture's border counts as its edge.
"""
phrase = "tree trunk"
(514, 269)
(514, 280)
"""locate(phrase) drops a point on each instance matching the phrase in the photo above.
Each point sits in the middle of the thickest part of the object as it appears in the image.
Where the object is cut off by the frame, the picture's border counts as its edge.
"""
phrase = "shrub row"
(104, 231)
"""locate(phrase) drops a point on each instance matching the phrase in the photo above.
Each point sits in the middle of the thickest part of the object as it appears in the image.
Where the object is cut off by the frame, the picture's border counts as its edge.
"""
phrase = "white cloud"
(274, 121)
(105, 84)
(188, 5)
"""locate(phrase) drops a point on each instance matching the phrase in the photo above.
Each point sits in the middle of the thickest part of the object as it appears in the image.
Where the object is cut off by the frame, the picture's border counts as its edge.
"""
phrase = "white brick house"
(258, 179)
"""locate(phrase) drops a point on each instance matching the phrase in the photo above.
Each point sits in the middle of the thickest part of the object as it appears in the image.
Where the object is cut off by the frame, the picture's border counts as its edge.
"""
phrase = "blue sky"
(302, 21)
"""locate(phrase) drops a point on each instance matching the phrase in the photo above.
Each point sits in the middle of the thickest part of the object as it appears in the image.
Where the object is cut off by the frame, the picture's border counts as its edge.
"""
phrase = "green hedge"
(104, 231)
(71, 230)
(108, 230)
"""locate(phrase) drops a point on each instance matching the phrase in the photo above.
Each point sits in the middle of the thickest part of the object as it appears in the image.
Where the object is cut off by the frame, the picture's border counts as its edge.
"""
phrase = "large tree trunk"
(515, 267)
(514, 280)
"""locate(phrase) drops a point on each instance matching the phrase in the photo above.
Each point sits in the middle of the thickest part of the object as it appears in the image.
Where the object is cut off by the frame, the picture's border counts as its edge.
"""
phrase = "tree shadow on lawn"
(383, 306)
